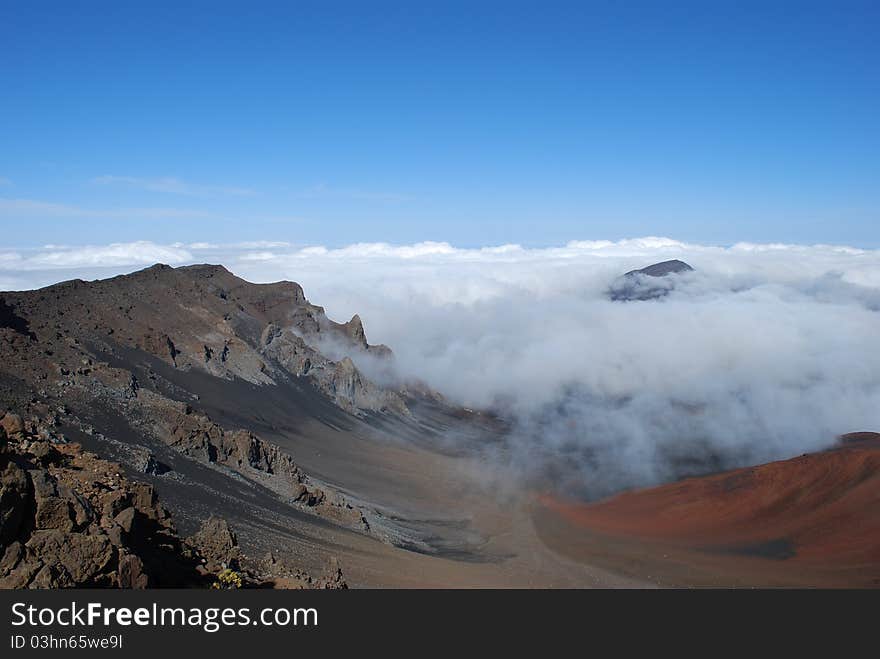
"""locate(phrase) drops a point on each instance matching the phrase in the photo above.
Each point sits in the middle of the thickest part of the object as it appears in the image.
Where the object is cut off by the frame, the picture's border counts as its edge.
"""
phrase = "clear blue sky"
(534, 123)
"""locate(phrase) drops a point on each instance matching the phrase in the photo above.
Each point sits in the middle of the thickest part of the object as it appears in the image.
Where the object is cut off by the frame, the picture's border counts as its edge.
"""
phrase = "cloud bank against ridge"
(762, 353)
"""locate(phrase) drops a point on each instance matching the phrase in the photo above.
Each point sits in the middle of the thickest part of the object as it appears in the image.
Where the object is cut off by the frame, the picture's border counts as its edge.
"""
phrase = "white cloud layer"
(764, 352)
(91, 259)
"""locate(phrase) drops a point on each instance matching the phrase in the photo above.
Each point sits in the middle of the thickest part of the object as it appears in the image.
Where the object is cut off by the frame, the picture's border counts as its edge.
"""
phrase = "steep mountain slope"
(208, 387)
(115, 348)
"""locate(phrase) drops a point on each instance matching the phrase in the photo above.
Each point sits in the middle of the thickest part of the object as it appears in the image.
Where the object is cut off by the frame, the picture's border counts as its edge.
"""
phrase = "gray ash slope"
(214, 390)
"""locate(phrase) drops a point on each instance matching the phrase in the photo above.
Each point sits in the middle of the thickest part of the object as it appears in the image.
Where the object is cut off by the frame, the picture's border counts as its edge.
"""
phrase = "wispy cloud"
(324, 191)
(173, 185)
(251, 244)
(29, 208)
(4, 182)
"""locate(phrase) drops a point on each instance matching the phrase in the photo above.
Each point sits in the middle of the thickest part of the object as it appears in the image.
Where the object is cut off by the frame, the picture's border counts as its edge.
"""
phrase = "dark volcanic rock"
(16, 502)
(61, 524)
(130, 574)
(12, 424)
(72, 521)
(11, 320)
(146, 463)
(217, 544)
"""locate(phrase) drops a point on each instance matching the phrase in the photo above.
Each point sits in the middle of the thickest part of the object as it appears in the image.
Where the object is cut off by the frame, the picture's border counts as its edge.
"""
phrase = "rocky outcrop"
(280, 574)
(353, 330)
(291, 351)
(16, 498)
(68, 519)
(145, 462)
(217, 546)
(350, 390)
(340, 381)
(195, 435)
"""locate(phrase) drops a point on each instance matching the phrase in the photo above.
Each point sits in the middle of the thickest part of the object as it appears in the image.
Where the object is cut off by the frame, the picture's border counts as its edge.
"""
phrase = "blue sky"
(532, 123)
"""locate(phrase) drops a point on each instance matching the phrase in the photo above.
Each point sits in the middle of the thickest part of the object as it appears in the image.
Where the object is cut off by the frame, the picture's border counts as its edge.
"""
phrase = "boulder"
(145, 462)
(131, 574)
(90, 560)
(310, 498)
(217, 544)
(333, 579)
(21, 576)
(10, 557)
(16, 502)
(127, 520)
(51, 577)
(53, 511)
(115, 502)
(44, 452)
(12, 424)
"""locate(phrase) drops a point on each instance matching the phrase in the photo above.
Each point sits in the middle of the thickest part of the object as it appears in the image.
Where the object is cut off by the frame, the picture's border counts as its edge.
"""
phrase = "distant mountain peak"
(662, 269)
(635, 285)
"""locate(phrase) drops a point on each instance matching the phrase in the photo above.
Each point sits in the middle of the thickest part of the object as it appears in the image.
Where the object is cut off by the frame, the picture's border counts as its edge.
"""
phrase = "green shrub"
(227, 580)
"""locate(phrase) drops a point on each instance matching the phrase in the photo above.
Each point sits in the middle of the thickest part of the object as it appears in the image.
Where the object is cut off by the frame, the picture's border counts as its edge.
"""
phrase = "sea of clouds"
(764, 352)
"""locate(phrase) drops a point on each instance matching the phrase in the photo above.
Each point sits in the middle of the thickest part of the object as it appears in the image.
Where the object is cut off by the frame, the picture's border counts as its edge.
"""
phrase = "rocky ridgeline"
(268, 333)
(339, 380)
(70, 519)
(200, 318)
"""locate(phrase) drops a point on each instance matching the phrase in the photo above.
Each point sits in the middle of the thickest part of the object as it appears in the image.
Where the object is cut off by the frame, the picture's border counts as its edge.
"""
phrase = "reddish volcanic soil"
(809, 521)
